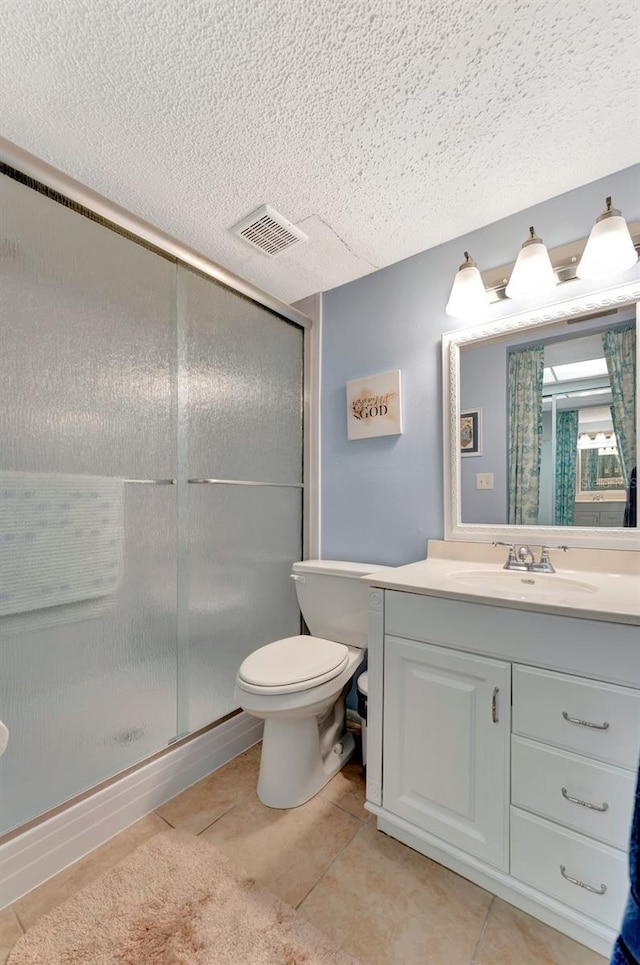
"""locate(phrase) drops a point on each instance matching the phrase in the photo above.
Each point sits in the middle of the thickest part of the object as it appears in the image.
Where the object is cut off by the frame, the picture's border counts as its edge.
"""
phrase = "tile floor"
(376, 898)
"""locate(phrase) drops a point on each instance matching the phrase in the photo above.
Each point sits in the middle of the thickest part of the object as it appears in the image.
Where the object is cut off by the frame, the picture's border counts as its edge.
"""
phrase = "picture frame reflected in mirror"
(471, 432)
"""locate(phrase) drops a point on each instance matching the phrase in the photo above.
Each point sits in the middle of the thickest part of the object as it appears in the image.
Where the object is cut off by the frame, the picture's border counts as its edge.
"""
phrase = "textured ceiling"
(380, 127)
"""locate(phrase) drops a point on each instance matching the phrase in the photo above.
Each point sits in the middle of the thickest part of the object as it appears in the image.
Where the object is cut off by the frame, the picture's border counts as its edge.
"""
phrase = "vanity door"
(446, 745)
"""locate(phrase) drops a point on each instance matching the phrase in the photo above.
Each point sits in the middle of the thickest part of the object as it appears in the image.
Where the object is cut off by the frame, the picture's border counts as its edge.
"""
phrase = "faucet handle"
(545, 562)
(512, 552)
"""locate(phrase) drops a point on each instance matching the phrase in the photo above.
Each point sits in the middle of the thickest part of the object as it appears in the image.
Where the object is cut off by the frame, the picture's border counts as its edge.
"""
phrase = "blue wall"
(382, 498)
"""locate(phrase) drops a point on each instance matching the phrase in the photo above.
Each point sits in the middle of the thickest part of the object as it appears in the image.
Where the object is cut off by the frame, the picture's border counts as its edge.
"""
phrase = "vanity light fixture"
(596, 440)
(610, 248)
(468, 298)
(532, 273)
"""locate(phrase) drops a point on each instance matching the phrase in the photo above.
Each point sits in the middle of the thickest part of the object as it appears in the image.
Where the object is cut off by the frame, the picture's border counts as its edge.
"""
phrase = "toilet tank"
(334, 600)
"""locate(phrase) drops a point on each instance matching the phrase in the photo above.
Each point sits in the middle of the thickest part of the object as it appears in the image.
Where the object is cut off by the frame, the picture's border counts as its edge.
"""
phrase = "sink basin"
(521, 584)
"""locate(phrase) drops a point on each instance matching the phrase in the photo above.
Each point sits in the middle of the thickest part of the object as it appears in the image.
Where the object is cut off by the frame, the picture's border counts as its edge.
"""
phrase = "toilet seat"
(292, 664)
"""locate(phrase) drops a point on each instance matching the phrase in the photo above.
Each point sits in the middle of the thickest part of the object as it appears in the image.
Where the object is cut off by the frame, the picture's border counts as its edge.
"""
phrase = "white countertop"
(581, 590)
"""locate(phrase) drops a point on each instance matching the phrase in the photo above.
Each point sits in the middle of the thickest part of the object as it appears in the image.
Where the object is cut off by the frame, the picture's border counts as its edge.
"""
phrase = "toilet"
(299, 685)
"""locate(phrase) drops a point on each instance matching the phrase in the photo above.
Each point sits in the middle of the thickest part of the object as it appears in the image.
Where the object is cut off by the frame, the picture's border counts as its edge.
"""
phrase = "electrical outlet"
(484, 480)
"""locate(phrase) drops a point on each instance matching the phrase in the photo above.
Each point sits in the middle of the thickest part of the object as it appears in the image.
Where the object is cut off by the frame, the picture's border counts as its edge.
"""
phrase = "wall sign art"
(374, 406)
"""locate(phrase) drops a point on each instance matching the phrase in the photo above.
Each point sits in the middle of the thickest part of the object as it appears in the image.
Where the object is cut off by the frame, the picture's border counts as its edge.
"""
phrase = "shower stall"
(151, 461)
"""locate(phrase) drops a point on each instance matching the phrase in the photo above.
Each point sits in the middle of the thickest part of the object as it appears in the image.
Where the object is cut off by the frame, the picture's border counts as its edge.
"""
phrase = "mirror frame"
(616, 296)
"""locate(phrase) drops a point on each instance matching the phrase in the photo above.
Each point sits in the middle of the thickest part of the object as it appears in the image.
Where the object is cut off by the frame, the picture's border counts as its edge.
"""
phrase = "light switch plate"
(484, 480)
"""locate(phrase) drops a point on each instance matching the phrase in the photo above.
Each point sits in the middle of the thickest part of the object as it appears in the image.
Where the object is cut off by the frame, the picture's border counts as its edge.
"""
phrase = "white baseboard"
(41, 852)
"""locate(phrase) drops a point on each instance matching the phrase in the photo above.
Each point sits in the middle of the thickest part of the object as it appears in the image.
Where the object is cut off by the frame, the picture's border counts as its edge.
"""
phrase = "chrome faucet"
(521, 558)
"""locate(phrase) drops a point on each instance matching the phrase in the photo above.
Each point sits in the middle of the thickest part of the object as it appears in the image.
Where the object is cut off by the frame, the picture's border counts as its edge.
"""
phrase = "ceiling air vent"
(267, 230)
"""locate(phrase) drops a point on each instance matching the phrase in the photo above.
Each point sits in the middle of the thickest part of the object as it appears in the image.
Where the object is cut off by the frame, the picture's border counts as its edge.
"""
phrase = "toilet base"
(292, 767)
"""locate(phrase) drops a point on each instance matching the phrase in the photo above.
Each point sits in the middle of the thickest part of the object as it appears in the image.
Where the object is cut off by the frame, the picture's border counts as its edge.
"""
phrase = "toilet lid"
(294, 662)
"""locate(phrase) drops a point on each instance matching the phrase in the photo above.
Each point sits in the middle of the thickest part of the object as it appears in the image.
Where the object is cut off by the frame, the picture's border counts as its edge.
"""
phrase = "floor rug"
(175, 901)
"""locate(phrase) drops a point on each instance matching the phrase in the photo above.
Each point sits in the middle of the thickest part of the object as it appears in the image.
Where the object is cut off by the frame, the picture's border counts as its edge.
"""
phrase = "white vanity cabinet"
(607, 513)
(504, 744)
(446, 745)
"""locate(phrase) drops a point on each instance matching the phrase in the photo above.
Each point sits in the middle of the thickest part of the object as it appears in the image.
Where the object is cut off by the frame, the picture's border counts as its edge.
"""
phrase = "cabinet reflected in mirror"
(558, 422)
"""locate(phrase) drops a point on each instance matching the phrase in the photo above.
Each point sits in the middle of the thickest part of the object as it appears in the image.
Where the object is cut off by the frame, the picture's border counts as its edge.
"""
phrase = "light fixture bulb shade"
(609, 249)
(468, 298)
(533, 272)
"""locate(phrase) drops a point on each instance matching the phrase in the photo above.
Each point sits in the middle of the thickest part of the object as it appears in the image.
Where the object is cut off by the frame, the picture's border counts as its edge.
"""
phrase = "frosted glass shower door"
(87, 536)
(240, 424)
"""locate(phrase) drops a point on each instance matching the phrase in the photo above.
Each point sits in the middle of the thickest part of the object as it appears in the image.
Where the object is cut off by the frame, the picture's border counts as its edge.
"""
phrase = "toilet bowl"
(299, 685)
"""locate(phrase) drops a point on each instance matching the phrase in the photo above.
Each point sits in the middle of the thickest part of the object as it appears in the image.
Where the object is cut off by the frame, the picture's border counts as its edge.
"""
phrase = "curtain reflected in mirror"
(526, 372)
(620, 352)
(566, 467)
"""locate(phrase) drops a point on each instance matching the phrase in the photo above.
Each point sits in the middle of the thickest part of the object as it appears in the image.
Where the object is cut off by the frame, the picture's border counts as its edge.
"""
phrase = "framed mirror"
(539, 445)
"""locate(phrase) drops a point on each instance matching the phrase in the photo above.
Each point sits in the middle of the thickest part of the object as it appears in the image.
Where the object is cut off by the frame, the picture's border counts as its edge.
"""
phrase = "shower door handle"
(241, 482)
(152, 482)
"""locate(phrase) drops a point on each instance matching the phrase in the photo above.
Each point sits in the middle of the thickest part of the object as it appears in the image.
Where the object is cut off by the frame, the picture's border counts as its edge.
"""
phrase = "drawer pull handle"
(584, 723)
(575, 881)
(584, 804)
(494, 705)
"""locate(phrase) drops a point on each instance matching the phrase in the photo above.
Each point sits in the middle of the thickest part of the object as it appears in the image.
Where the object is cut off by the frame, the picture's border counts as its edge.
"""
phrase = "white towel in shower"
(61, 539)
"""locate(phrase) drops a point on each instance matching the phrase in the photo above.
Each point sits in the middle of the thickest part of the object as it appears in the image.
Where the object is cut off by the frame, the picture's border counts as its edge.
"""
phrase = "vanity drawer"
(591, 718)
(539, 850)
(544, 779)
